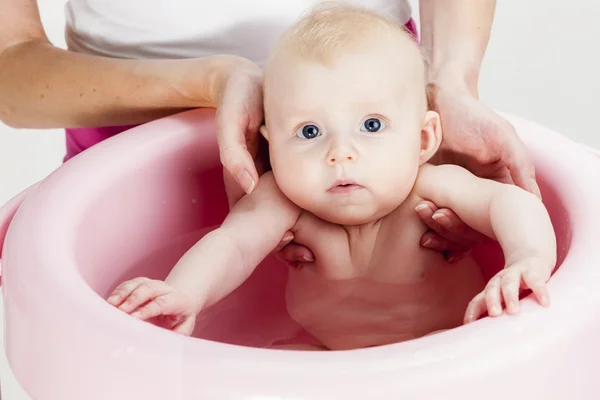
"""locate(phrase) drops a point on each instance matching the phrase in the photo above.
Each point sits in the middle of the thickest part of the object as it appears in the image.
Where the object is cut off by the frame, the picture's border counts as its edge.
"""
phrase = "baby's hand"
(530, 273)
(144, 298)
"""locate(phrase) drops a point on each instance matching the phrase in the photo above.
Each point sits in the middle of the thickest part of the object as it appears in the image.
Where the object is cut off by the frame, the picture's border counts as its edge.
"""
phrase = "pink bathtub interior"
(133, 204)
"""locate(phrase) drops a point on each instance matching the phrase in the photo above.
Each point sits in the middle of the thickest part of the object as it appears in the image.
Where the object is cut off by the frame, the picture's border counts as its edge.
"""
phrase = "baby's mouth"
(344, 186)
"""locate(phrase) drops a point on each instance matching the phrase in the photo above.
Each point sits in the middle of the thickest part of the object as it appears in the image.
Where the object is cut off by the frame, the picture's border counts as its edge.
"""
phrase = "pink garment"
(80, 139)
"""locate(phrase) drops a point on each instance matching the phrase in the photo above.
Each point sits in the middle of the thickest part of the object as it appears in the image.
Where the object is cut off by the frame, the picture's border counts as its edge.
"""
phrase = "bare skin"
(349, 166)
(371, 285)
(42, 86)
(372, 294)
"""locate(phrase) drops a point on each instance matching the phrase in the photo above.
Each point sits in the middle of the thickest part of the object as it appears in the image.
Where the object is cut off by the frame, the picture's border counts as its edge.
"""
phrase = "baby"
(349, 138)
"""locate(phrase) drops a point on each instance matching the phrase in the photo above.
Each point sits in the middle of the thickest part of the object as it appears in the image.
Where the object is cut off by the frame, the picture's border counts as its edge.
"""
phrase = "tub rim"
(465, 341)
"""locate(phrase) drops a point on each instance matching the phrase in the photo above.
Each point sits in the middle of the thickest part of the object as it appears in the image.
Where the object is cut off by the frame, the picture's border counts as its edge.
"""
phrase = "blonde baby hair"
(331, 27)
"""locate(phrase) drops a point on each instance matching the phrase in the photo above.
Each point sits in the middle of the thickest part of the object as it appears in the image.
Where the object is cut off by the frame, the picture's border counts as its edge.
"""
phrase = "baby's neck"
(362, 239)
(362, 230)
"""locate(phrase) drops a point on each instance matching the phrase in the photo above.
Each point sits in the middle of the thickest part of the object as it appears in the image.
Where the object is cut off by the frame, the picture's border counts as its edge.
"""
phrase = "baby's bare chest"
(383, 290)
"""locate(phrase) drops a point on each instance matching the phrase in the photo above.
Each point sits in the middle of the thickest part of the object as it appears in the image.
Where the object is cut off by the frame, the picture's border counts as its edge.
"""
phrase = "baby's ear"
(431, 136)
(264, 132)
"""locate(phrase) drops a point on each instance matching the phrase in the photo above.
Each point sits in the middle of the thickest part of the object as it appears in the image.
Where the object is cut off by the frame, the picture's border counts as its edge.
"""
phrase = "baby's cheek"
(287, 175)
(299, 186)
(400, 180)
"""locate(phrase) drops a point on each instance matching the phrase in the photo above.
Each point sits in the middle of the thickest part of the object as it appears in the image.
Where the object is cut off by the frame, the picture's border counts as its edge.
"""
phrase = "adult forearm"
(455, 35)
(45, 87)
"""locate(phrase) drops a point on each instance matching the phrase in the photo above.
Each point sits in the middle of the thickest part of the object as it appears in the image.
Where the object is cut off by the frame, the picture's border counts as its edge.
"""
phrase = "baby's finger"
(165, 304)
(124, 289)
(186, 327)
(171, 321)
(537, 283)
(143, 293)
(475, 308)
(492, 297)
(511, 281)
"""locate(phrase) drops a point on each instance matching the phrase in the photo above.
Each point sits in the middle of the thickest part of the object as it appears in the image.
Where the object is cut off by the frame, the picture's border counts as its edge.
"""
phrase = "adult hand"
(239, 115)
(481, 141)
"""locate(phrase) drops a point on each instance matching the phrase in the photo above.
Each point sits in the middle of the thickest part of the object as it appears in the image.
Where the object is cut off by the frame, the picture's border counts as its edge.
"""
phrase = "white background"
(542, 63)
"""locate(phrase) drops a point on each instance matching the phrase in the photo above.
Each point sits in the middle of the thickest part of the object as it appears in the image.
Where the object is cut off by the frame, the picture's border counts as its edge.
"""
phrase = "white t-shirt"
(192, 28)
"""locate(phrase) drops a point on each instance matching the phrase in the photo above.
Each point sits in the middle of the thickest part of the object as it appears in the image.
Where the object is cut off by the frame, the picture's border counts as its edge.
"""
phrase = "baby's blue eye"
(308, 132)
(373, 125)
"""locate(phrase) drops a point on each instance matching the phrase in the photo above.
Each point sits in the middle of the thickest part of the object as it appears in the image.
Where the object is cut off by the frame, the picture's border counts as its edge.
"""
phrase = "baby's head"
(346, 114)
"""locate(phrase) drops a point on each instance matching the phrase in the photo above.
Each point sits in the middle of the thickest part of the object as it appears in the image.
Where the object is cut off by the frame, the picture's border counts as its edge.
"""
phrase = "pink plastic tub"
(133, 204)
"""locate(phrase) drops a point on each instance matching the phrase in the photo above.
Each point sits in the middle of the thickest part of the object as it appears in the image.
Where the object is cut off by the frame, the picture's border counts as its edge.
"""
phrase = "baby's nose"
(342, 154)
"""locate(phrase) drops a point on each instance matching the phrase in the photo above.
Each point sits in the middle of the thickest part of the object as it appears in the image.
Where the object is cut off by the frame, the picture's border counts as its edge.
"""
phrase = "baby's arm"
(224, 258)
(515, 218)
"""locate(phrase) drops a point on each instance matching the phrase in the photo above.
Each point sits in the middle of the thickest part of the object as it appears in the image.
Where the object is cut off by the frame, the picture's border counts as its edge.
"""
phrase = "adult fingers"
(294, 253)
(519, 162)
(236, 141)
(233, 190)
(434, 241)
(456, 230)
(239, 163)
(451, 232)
(288, 236)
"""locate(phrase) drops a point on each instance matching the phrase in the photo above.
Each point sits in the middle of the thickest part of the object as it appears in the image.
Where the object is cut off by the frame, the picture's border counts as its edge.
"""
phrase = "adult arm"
(42, 86)
(455, 35)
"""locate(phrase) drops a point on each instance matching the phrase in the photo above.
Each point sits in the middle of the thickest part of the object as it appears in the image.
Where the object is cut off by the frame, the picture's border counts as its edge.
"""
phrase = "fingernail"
(455, 257)
(308, 258)
(136, 314)
(112, 298)
(496, 310)
(431, 243)
(442, 220)
(245, 181)
(287, 238)
(421, 207)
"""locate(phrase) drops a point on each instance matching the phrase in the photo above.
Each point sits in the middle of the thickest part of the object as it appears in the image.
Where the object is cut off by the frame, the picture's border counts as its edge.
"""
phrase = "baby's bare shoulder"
(430, 172)
(268, 192)
(442, 180)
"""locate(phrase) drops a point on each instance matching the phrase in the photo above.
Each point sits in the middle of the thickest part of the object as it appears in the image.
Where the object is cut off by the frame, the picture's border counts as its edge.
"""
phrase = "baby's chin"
(349, 215)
